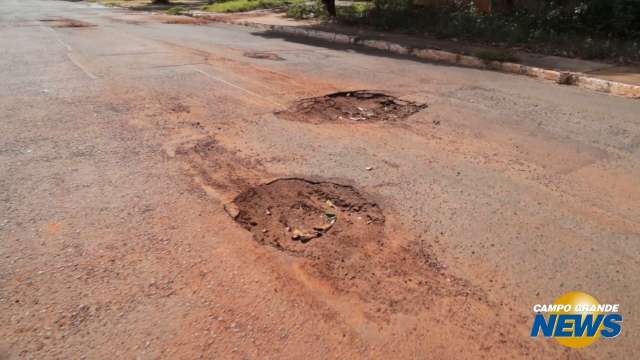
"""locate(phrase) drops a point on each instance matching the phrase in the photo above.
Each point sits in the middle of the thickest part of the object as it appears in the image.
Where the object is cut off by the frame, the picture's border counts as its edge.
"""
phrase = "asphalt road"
(123, 135)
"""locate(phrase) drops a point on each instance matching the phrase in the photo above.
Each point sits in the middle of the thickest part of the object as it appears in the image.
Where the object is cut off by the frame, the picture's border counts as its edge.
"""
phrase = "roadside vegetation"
(177, 10)
(590, 29)
(354, 13)
(248, 5)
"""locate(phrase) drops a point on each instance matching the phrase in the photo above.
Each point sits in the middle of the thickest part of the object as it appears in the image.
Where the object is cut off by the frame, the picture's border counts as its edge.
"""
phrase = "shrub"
(588, 28)
(579, 28)
(306, 10)
(357, 12)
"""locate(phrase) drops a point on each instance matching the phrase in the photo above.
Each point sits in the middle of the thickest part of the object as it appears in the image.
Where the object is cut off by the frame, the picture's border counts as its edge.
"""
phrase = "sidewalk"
(599, 76)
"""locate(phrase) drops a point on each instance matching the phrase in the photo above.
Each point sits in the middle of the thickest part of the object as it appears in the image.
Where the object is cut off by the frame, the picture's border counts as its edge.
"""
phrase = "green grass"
(360, 8)
(354, 13)
(176, 10)
(247, 5)
(307, 10)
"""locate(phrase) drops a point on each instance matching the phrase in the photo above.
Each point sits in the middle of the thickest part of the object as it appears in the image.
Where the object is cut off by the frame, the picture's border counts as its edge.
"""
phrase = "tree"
(331, 7)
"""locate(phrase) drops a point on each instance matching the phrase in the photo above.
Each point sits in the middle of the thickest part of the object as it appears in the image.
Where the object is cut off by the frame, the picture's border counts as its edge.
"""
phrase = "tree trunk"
(509, 6)
(483, 6)
(331, 7)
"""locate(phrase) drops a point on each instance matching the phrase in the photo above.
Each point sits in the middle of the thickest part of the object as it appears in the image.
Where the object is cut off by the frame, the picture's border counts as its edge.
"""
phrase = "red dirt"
(363, 265)
(177, 277)
(309, 218)
(342, 235)
(167, 19)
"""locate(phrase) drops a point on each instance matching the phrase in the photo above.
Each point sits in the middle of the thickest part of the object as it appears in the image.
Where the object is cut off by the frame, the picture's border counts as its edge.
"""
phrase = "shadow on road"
(269, 34)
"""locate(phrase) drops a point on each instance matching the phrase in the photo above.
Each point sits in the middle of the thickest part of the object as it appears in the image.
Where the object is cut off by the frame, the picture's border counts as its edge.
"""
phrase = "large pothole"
(67, 23)
(340, 234)
(351, 106)
(308, 218)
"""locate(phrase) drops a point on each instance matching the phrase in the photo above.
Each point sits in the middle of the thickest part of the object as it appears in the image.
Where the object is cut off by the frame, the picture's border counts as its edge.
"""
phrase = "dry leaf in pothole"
(325, 227)
(232, 210)
(303, 236)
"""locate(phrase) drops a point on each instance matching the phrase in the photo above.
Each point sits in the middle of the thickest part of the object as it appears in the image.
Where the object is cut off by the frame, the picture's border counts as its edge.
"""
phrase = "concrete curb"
(440, 56)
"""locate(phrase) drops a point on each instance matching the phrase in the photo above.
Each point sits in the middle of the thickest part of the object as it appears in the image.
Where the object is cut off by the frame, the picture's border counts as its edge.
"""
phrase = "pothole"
(352, 106)
(340, 235)
(307, 218)
(263, 55)
(67, 23)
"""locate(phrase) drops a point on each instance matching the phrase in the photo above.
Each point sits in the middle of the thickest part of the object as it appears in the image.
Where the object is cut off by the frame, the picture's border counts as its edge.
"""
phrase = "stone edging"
(560, 77)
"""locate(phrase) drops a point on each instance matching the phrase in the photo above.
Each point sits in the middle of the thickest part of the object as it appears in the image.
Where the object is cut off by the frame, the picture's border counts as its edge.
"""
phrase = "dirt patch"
(339, 233)
(263, 55)
(67, 23)
(186, 20)
(307, 218)
(139, 19)
(352, 106)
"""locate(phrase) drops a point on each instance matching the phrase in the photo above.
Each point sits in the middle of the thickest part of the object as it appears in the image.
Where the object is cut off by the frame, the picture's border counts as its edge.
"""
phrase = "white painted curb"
(565, 78)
